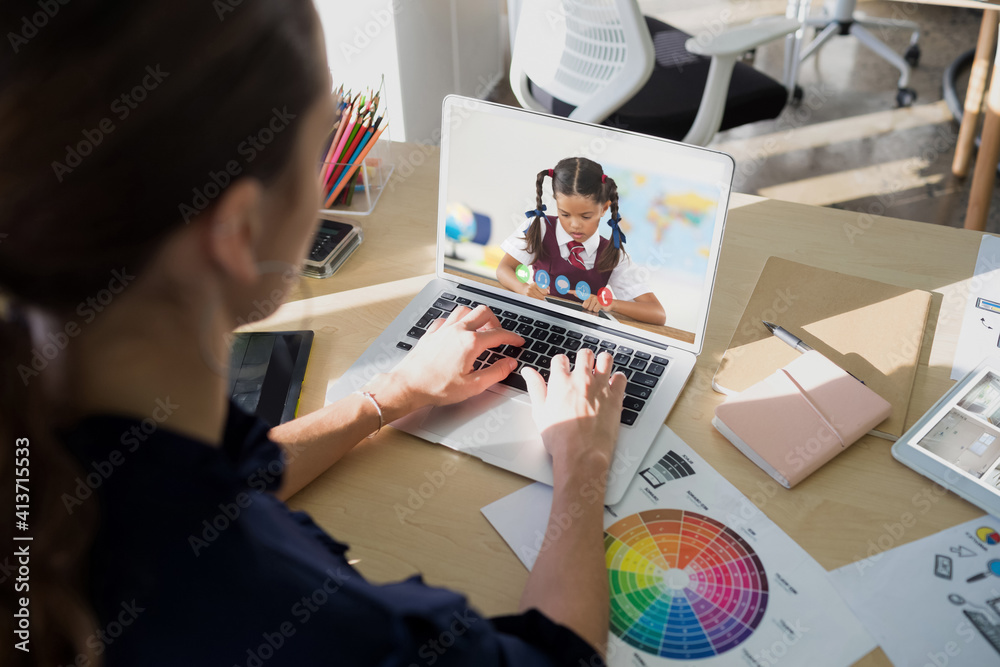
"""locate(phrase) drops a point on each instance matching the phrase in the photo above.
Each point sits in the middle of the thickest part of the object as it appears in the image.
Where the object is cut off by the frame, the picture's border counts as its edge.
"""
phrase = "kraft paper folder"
(869, 328)
(799, 417)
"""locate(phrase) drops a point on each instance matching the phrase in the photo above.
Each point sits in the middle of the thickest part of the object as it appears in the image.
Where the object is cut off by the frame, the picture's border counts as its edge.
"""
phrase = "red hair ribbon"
(552, 173)
(604, 177)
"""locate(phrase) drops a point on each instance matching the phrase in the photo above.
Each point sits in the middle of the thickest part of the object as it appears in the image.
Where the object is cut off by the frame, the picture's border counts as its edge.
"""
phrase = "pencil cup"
(356, 186)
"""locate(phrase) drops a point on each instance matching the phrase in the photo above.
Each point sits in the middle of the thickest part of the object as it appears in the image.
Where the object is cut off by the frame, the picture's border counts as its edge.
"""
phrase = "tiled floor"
(847, 145)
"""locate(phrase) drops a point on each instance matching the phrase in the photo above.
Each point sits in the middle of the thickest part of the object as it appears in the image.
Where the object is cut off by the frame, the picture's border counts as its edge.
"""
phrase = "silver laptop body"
(673, 202)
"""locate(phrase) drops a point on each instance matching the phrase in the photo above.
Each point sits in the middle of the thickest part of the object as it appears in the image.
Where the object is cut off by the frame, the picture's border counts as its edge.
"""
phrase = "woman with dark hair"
(156, 158)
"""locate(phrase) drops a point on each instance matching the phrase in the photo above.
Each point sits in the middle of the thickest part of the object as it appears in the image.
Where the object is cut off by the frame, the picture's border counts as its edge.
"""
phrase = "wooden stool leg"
(989, 155)
(974, 96)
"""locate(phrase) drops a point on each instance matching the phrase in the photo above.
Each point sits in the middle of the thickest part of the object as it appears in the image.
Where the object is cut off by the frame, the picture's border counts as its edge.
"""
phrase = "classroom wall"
(426, 50)
(361, 47)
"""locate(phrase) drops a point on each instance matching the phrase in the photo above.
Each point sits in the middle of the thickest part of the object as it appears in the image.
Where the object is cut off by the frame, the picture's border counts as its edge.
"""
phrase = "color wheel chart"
(683, 585)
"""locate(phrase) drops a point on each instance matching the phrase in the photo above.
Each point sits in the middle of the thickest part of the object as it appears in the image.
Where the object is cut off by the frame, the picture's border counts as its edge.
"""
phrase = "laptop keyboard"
(542, 341)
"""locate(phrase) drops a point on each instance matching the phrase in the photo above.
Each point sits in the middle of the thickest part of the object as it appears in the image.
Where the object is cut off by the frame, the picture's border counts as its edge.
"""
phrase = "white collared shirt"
(623, 281)
(589, 254)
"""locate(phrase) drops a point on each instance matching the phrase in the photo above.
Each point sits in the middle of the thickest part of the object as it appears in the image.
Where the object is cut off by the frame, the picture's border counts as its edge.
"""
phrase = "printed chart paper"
(980, 336)
(935, 601)
(698, 573)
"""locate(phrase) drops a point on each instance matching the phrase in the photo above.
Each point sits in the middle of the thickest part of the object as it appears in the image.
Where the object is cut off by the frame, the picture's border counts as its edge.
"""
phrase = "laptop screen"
(616, 227)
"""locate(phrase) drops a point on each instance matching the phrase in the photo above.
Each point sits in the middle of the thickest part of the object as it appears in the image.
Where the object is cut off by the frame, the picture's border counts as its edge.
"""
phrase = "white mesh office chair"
(603, 61)
(839, 17)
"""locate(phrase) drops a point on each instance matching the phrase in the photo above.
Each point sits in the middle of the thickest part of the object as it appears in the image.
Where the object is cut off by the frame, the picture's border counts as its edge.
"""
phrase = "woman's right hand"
(579, 411)
(439, 370)
(534, 291)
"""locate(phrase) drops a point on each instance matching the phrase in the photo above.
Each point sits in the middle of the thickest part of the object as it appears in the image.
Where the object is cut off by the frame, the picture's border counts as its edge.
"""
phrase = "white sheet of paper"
(521, 519)
(980, 328)
(917, 600)
(690, 554)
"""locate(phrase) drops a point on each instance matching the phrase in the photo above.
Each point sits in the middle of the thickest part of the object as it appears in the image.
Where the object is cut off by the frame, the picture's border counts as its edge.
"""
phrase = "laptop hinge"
(564, 316)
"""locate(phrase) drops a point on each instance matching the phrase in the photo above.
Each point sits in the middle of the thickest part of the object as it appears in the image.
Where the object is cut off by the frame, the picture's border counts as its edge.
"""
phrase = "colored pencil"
(359, 145)
(351, 114)
(349, 134)
(342, 144)
(345, 159)
(361, 122)
(341, 124)
(354, 167)
(345, 114)
(349, 177)
(341, 179)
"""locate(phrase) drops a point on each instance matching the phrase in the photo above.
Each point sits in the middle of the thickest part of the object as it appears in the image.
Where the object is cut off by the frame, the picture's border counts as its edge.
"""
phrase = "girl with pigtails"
(568, 244)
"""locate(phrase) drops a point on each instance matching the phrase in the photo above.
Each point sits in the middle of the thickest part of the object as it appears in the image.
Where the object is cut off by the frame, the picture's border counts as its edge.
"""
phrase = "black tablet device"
(574, 305)
(266, 372)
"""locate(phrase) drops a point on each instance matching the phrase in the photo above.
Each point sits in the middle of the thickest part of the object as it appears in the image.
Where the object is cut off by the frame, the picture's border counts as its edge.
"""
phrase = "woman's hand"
(438, 370)
(579, 411)
(534, 291)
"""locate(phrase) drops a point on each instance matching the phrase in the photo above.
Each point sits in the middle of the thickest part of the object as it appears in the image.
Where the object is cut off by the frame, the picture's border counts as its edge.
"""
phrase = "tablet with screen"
(957, 443)
(565, 303)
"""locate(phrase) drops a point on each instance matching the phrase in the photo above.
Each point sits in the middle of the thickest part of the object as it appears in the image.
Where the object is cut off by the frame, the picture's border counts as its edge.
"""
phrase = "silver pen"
(787, 337)
(796, 342)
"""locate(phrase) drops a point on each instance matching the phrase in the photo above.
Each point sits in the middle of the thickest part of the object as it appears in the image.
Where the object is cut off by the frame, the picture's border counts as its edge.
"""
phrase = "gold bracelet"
(378, 408)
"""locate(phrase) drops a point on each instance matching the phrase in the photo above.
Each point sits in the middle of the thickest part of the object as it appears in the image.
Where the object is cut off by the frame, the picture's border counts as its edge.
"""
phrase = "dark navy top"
(196, 563)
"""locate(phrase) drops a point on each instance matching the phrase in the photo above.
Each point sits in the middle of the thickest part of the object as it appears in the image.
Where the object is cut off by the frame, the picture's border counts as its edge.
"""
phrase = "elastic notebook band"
(812, 405)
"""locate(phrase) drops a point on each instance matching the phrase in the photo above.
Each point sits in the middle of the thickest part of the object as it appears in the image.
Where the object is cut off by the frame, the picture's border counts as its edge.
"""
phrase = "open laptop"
(673, 200)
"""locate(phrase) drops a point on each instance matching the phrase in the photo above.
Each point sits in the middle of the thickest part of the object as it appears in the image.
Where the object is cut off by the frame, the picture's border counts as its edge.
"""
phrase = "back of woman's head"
(120, 120)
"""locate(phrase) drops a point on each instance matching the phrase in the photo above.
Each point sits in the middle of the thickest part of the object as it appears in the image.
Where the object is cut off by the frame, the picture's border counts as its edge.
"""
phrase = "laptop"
(673, 200)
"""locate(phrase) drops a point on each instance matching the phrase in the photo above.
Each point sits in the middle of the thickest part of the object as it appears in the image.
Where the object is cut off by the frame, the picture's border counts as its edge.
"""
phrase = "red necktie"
(576, 254)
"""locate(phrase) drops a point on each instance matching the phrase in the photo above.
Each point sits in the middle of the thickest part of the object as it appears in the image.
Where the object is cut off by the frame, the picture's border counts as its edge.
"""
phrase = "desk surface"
(406, 506)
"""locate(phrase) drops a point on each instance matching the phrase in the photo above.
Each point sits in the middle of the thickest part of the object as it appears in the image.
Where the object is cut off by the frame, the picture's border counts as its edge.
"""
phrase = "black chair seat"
(666, 106)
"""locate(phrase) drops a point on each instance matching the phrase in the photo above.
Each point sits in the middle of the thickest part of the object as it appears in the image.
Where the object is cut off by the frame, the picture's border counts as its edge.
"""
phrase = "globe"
(460, 223)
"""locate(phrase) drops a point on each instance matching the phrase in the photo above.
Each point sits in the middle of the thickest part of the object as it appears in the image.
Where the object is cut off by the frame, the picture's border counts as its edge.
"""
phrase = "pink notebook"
(801, 416)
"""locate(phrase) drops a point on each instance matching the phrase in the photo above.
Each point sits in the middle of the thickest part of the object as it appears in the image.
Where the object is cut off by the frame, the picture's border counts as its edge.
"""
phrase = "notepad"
(869, 328)
(799, 417)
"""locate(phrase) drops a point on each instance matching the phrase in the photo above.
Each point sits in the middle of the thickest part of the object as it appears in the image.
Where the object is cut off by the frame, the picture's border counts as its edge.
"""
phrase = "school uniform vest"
(556, 266)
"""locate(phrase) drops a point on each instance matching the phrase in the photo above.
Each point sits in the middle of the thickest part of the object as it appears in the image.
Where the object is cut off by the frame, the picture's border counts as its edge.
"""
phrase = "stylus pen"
(787, 337)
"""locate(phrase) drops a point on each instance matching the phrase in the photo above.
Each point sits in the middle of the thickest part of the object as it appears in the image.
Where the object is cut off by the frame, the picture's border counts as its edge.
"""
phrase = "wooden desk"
(839, 515)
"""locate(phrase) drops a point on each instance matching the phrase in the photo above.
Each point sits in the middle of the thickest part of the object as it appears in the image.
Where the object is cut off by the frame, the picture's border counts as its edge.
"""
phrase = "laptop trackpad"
(489, 424)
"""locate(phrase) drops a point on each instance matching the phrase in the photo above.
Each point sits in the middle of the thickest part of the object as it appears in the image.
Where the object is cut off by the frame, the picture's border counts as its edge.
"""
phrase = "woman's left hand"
(438, 370)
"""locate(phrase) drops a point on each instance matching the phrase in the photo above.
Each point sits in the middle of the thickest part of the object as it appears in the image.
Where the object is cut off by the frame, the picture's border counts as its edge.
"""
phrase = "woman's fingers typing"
(440, 368)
